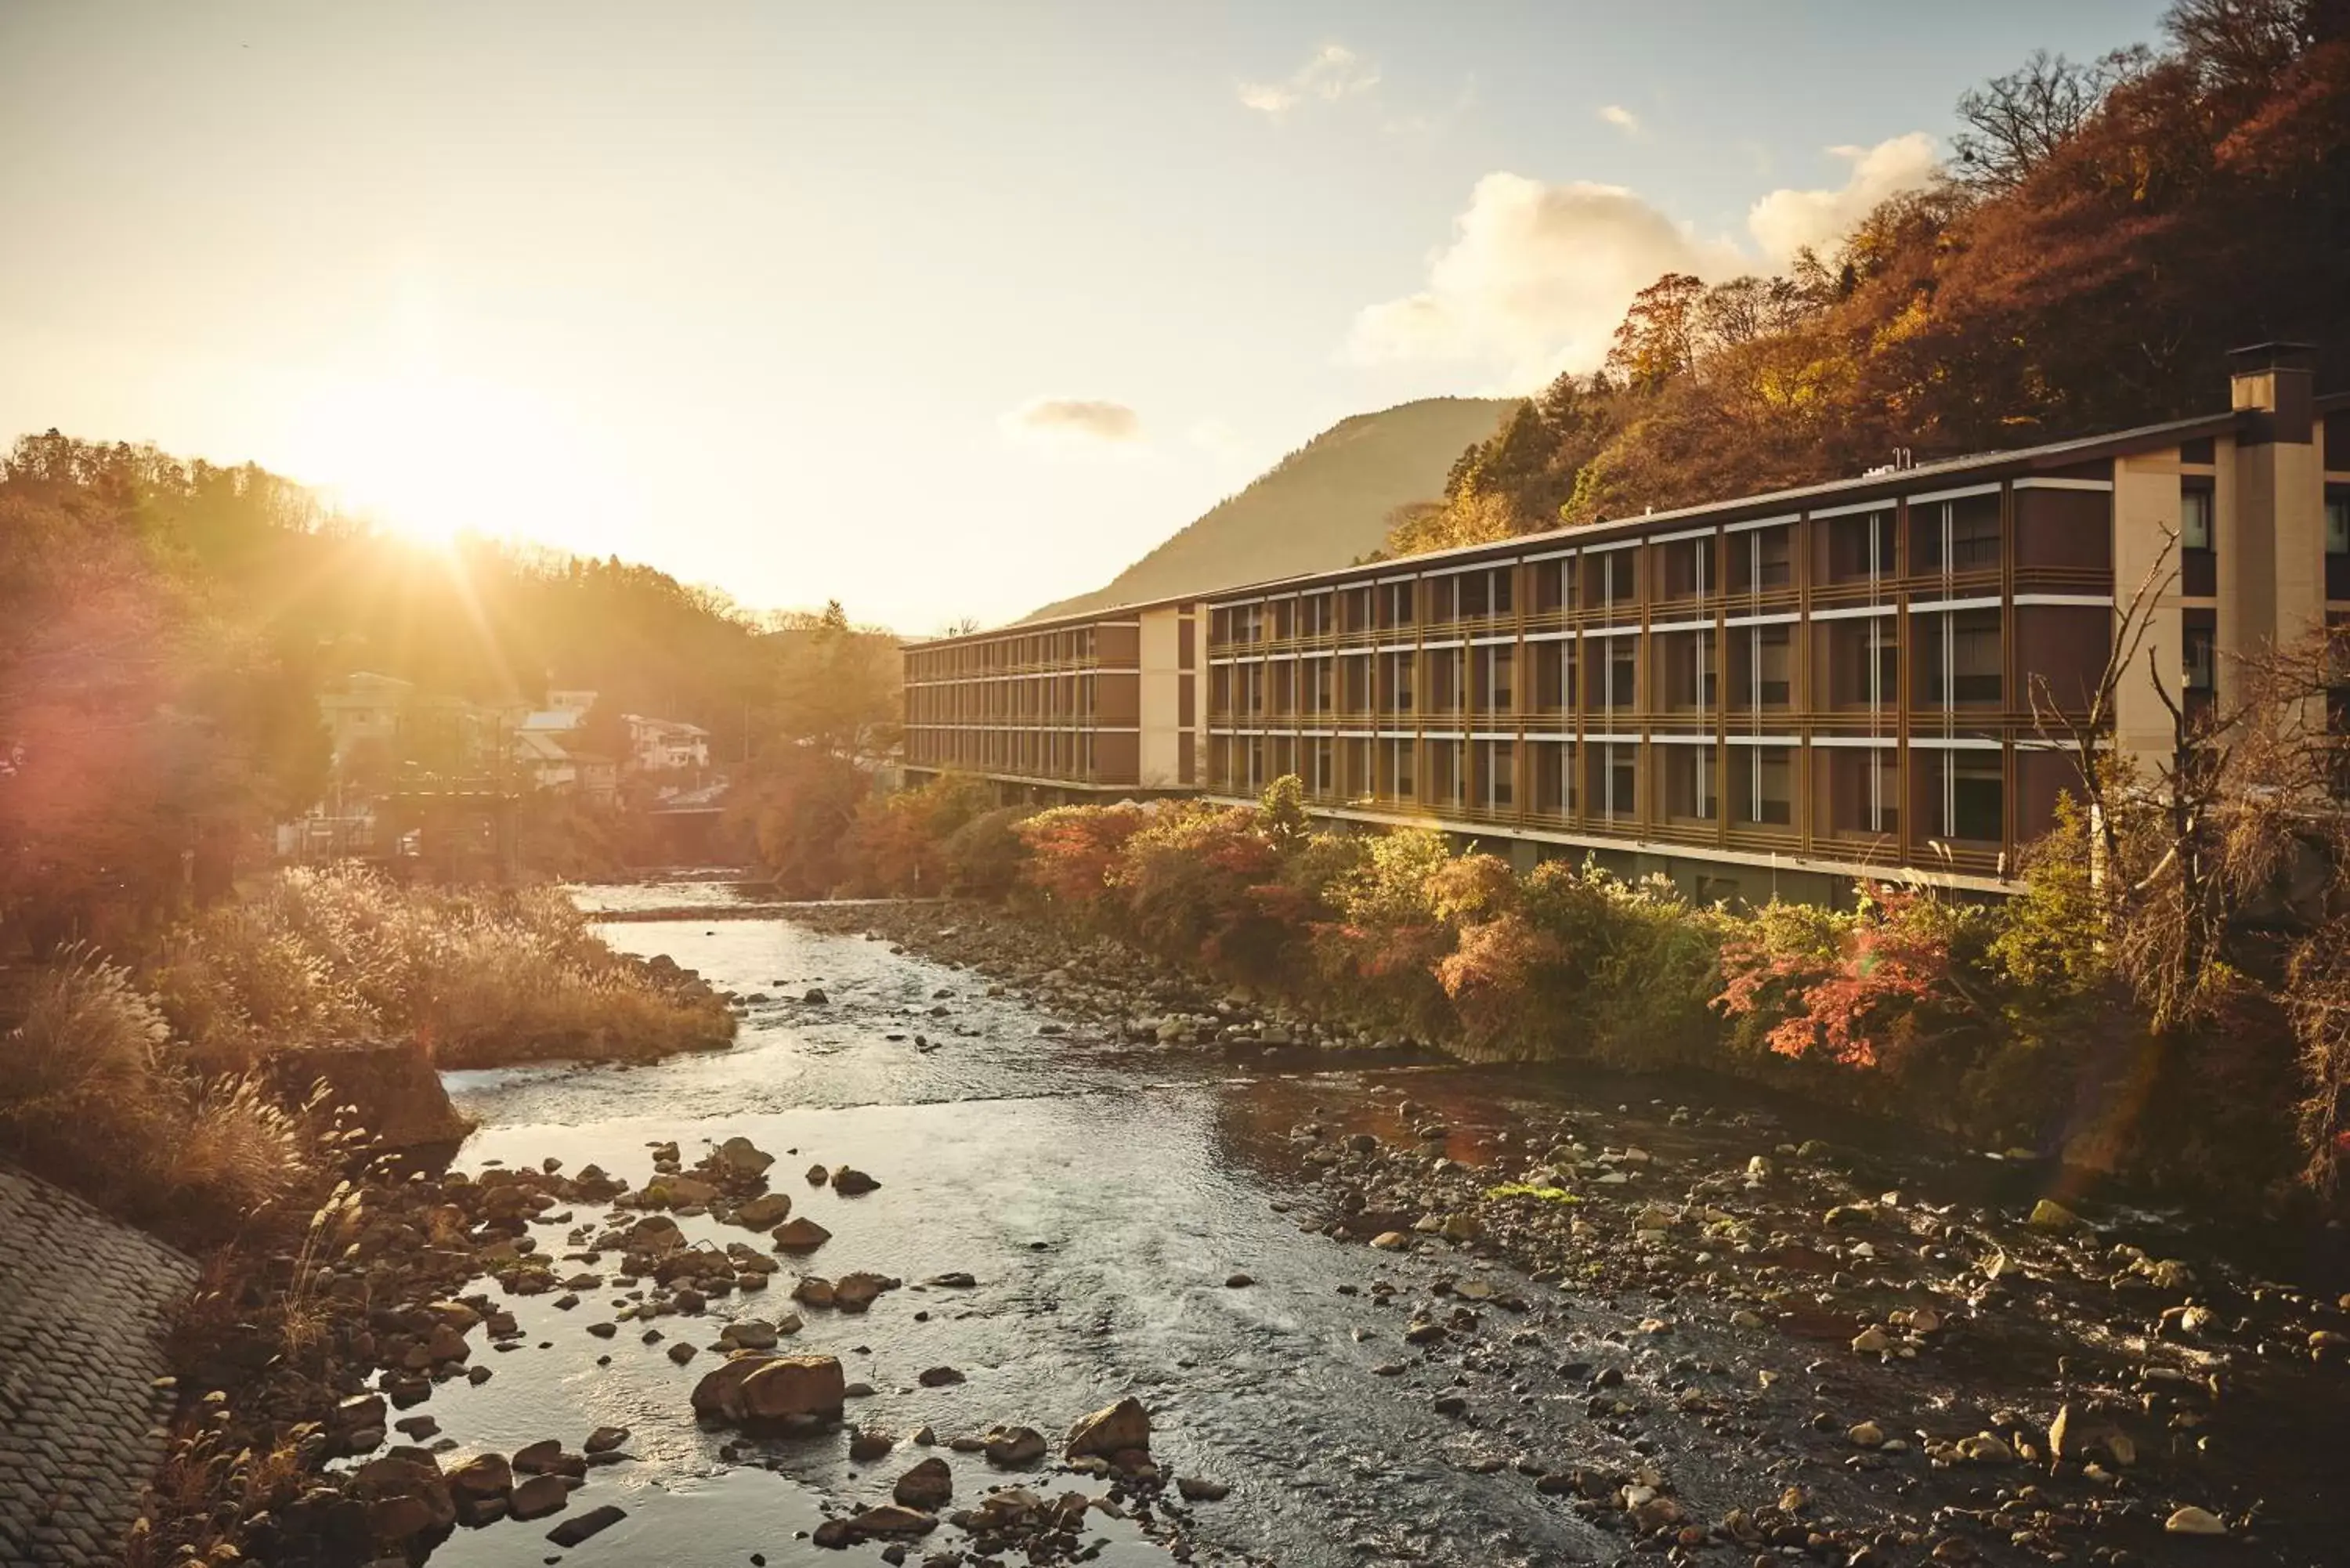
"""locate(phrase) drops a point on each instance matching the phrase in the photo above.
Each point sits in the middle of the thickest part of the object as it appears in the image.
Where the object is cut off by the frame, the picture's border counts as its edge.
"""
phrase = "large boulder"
(393, 1084)
(719, 1395)
(786, 1388)
(1110, 1430)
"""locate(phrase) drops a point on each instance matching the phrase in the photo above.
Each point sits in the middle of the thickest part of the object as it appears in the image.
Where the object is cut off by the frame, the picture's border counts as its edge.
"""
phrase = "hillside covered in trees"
(1328, 503)
(166, 629)
(2104, 234)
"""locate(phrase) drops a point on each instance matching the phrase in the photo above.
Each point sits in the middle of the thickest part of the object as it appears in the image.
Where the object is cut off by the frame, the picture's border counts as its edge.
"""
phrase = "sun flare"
(431, 458)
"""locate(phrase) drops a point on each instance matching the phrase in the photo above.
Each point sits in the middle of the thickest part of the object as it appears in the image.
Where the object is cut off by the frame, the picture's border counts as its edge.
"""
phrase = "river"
(1102, 1196)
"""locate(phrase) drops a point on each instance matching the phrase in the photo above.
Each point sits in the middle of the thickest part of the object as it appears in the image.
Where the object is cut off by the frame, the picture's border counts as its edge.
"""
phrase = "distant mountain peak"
(1326, 504)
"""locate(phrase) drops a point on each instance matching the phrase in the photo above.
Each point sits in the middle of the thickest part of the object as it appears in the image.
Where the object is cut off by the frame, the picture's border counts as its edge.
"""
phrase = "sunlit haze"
(944, 310)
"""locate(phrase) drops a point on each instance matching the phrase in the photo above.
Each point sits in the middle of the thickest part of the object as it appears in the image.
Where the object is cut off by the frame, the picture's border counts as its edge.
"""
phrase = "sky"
(942, 310)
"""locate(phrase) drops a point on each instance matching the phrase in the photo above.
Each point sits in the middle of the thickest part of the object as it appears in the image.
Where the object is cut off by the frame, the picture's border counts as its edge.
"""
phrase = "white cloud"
(1785, 221)
(1622, 119)
(1072, 421)
(1535, 279)
(1537, 274)
(1333, 72)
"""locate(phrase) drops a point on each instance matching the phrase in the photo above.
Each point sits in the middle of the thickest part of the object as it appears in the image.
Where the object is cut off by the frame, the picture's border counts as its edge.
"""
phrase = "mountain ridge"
(1326, 504)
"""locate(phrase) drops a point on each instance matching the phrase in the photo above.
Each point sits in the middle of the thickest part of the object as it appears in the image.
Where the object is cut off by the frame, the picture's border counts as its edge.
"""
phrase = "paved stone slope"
(84, 1302)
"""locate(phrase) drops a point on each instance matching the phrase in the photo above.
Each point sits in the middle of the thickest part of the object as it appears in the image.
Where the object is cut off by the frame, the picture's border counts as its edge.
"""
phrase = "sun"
(430, 458)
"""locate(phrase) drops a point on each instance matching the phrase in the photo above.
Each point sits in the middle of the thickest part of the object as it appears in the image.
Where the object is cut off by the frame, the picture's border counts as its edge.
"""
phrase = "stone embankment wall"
(84, 1306)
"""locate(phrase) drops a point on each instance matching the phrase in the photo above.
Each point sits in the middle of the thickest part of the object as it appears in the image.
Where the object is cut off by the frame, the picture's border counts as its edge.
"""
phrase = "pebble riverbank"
(1366, 1308)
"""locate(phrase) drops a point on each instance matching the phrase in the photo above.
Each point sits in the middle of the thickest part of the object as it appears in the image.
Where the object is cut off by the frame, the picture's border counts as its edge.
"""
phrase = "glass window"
(2199, 672)
(2337, 525)
(2195, 519)
(1762, 784)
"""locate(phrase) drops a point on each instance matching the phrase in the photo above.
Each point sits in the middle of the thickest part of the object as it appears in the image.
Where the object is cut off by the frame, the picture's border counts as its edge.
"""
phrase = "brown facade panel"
(1118, 645)
(2062, 650)
(1118, 697)
(1118, 757)
(2064, 528)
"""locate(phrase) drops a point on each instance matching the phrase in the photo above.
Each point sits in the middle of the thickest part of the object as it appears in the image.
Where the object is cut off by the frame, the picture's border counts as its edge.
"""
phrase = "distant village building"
(367, 708)
(664, 746)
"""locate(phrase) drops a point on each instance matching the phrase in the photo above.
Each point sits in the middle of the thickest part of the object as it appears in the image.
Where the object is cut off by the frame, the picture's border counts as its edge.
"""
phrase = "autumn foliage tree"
(2109, 233)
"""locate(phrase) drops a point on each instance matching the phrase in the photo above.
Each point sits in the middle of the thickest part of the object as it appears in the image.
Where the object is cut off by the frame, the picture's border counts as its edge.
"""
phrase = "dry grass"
(96, 1096)
(479, 974)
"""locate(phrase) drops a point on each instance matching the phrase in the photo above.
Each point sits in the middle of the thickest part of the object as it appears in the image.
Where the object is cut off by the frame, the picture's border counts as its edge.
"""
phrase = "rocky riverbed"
(992, 1250)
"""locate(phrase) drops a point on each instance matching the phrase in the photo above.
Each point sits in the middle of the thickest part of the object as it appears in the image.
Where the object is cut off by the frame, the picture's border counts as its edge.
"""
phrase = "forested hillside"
(165, 627)
(2104, 233)
(1328, 503)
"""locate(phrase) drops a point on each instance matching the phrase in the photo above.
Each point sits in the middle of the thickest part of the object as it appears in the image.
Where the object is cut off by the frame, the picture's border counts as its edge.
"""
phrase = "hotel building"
(1774, 693)
(1099, 706)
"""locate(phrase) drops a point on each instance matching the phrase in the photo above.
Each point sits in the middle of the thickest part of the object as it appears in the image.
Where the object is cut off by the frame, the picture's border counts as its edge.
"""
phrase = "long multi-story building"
(1102, 705)
(1774, 693)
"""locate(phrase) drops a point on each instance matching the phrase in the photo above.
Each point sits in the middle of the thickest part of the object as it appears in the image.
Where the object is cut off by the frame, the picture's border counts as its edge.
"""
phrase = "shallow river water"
(1101, 1196)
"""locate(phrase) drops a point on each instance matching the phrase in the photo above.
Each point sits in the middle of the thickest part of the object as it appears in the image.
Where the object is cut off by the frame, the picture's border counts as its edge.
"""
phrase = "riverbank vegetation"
(159, 1089)
(2164, 998)
(480, 976)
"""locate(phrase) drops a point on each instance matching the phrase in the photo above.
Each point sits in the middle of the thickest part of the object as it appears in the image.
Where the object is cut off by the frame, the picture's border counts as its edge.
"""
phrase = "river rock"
(2192, 1521)
(484, 1479)
(604, 1439)
(406, 1495)
(812, 1289)
(2050, 1215)
(2075, 1436)
(1110, 1430)
(574, 1530)
(741, 1157)
(851, 1182)
(928, 1486)
(893, 1519)
(546, 1457)
(655, 1233)
(939, 1377)
(801, 1235)
(747, 1334)
(1014, 1446)
(794, 1385)
(1199, 1488)
(764, 1211)
(539, 1496)
(719, 1395)
(857, 1292)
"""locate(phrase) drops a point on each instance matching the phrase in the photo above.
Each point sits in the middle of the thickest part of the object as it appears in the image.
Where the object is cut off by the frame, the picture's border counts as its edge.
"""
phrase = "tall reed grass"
(96, 1095)
(481, 976)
